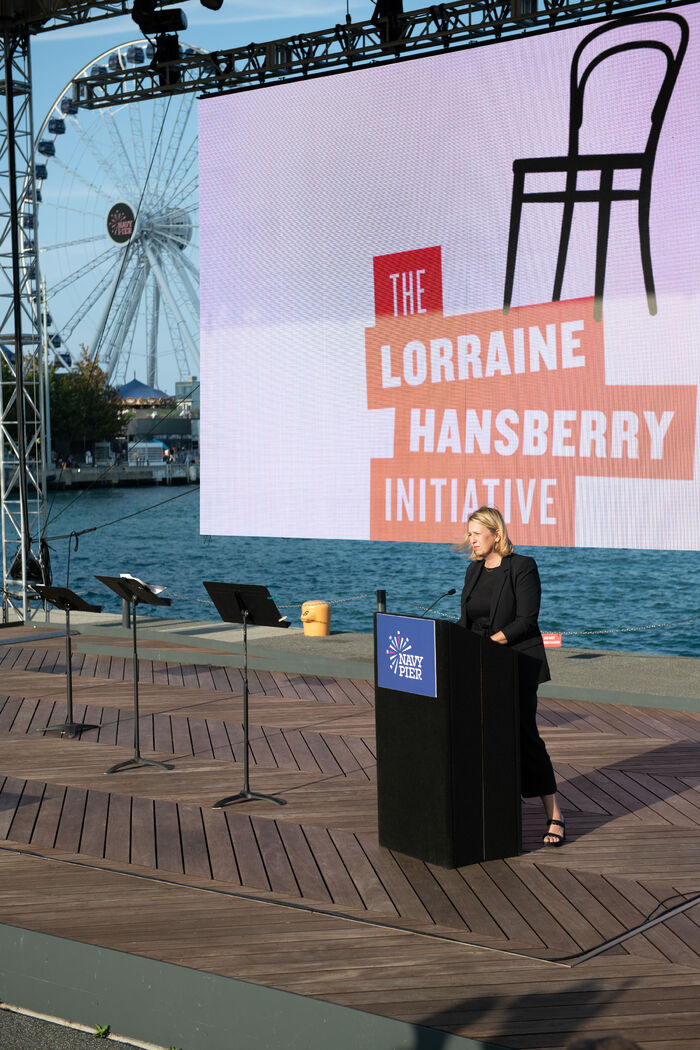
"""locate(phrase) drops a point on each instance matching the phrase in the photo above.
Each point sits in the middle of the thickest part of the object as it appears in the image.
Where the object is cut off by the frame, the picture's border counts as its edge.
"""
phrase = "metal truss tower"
(22, 438)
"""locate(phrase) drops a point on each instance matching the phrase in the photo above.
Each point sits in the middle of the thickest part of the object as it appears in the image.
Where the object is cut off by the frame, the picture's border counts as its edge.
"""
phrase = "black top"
(514, 605)
(481, 597)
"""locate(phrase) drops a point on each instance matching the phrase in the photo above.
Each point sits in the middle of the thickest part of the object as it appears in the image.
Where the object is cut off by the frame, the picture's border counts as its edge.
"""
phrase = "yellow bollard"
(316, 617)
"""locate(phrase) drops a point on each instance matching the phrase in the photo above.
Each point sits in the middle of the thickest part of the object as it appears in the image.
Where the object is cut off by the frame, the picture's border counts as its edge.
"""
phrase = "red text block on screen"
(408, 284)
(505, 410)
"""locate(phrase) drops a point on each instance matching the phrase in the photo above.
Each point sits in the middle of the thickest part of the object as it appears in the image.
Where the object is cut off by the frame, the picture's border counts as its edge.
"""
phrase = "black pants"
(536, 773)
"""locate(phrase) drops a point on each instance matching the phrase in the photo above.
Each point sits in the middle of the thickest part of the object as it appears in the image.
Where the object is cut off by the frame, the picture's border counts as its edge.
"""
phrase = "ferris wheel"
(117, 207)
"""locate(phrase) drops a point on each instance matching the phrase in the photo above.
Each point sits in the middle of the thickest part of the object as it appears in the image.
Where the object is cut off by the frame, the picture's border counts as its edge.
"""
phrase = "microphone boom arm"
(445, 595)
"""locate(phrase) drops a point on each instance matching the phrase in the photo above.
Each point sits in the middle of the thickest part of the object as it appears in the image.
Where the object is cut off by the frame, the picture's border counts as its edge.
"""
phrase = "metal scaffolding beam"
(41, 16)
(348, 46)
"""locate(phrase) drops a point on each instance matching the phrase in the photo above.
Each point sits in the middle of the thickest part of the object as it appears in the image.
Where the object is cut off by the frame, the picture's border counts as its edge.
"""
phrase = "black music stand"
(67, 601)
(135, 592)
(246, 603)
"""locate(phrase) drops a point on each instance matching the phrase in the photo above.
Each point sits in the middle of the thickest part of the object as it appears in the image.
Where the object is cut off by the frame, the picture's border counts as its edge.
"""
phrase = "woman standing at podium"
(501, 599)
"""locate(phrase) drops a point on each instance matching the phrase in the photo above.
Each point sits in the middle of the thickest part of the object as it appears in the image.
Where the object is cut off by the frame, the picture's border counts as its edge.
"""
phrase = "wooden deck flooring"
(301, 897)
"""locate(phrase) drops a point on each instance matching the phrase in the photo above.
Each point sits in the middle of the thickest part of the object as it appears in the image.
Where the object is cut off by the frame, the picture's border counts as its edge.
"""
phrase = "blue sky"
(57, 56)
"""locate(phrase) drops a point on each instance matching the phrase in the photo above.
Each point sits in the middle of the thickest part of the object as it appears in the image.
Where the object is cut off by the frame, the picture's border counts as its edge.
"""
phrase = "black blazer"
(514, 608)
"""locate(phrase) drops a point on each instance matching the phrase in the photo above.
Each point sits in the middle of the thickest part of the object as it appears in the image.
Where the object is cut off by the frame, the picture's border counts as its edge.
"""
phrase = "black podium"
(135, 592)
(448, 769)
(67, 601)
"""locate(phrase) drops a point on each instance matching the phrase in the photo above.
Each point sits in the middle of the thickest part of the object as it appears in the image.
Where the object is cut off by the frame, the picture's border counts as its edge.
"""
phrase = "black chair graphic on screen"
(607, 164)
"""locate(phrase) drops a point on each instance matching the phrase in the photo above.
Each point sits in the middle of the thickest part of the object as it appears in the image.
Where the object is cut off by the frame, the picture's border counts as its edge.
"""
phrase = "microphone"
(445, 595)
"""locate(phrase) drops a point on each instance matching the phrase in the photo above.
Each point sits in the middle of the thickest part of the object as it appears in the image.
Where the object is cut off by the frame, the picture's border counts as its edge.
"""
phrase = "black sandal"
(560, 839)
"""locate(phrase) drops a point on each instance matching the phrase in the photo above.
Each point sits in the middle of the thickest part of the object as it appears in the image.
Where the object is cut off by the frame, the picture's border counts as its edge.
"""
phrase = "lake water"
(583, 590)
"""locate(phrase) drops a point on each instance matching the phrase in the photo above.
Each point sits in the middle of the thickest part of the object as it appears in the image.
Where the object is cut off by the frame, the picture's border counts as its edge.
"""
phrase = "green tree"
(84, 407)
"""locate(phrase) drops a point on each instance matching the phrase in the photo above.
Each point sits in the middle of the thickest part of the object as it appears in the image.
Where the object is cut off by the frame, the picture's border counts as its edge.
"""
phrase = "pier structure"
(123, 475)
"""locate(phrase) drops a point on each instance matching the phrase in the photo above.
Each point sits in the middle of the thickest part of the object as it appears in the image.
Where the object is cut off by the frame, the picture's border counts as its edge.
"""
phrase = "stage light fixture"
(153, 21)
(386, 16)
(167, 50)
(387, 9)
(523, 9)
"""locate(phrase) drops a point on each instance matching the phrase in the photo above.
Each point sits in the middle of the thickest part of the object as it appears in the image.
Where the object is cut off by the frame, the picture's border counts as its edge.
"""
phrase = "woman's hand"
(500, 638)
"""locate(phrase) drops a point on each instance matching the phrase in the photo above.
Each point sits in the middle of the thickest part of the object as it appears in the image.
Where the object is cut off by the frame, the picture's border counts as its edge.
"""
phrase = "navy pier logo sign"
(406, 654)
(120, 223)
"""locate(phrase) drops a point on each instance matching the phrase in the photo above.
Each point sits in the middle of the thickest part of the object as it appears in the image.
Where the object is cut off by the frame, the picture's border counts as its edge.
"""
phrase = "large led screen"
(463, 279)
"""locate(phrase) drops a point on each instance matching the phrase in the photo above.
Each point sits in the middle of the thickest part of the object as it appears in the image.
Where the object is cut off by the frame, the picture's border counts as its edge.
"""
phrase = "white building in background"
(187, 395)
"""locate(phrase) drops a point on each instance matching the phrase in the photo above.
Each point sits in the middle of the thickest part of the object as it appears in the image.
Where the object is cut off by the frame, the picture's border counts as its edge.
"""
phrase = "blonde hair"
(493, 520)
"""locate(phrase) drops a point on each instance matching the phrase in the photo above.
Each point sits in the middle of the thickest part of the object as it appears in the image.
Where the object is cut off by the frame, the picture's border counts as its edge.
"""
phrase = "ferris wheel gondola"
(117, 193)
